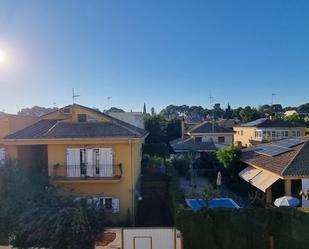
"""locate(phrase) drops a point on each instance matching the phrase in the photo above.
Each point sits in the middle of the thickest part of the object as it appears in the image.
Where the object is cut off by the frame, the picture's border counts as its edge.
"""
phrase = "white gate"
(140, 238)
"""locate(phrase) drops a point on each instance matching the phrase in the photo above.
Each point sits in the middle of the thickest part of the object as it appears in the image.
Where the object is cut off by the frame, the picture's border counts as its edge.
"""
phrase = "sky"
(157, 52)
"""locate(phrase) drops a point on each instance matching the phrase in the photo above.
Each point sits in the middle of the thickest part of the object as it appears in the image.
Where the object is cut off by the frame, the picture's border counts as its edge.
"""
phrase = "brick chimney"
(183, 128)
(271, 116)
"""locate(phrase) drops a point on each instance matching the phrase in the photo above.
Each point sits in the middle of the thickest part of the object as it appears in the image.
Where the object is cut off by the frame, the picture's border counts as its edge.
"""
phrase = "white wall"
(141, 238)
(133, 118)
(228, 139)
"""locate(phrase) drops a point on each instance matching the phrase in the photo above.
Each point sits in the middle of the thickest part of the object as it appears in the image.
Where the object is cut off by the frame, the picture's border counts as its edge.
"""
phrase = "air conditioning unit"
(67, 110)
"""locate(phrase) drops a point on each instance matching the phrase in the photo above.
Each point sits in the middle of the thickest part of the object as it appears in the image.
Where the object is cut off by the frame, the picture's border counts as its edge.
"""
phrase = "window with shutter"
(115, 204)
(106, 162)
(89, 162)
(73, 163)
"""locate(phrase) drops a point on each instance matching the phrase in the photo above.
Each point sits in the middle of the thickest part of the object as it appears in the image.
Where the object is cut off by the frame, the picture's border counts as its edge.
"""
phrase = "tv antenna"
(108, 101)
(272, 98)
(74, 95)
(211, 100)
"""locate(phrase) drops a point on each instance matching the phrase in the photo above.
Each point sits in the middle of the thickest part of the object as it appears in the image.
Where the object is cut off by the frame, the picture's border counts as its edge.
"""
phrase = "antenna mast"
(74, 96)
(272, 98)
(108, 102)
(211, 100)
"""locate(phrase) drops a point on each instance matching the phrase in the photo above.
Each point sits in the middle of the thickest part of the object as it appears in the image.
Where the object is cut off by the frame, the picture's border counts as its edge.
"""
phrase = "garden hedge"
(244, 228)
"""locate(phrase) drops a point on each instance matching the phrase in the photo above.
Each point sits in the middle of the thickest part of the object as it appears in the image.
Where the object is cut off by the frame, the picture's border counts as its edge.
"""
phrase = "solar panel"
(255, 122)
(288, 143)
(271, 150)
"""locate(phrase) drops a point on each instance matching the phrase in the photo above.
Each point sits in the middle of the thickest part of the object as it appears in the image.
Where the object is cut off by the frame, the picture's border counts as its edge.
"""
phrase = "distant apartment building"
(266, 129)
(133, 118)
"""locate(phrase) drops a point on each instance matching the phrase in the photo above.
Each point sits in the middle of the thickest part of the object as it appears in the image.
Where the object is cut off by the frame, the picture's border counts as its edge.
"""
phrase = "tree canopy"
(113, 109)
(36, 111)
(229, 157)
(33, 214)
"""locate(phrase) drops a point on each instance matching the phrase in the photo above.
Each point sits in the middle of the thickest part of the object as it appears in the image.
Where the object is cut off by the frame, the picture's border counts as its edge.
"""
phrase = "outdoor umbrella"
(286, 201)
(219, 179)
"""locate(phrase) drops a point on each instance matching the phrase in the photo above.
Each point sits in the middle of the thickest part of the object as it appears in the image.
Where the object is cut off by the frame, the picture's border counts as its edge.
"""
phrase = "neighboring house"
(189, 144)
(86, 153)
(133, 118)
(10, 123)
(208, 131)
(278, 168)
(203, 137)
(266, 129)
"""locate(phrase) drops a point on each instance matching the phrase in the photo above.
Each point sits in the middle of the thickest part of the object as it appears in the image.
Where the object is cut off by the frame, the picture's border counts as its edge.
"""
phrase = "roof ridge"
(294, 157)
(56, 123)
(197, 126)
(115, 120)
(21, 129)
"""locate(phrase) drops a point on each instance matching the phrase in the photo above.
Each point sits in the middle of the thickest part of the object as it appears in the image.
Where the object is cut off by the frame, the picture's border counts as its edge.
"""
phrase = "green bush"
(32, 214)
(230, 158)
(243, 228)
(151, 162)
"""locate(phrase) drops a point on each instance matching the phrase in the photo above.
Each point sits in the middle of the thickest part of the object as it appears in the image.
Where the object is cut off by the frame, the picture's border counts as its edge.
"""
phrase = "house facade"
(86, 153)
(203, 137)
(133, 118)
(266, 129)
(207, 131)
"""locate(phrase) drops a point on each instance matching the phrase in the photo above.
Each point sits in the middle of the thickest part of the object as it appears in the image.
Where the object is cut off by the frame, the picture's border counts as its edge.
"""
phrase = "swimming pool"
(197, 204)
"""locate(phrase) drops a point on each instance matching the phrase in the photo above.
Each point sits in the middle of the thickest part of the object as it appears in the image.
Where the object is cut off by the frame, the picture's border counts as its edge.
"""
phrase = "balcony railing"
(101, 171)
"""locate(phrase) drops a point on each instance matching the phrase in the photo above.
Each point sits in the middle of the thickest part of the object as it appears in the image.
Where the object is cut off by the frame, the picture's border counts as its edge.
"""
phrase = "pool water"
(197, 204)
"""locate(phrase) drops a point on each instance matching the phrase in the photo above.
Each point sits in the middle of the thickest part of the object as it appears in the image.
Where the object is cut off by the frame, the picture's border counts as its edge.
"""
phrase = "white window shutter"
(89, 164)
(73, 162)
(106, 162)
(115, 205)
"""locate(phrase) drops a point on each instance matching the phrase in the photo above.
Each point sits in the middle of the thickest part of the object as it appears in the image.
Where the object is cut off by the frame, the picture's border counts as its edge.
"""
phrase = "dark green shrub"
(181, 165)
(243, 228)
(156, 149)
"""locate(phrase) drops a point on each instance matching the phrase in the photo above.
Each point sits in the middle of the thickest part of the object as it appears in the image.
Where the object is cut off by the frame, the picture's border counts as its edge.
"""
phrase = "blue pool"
(197, 204)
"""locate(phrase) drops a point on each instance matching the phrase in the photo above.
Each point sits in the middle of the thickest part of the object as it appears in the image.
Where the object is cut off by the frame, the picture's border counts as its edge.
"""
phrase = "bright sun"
(2, 56)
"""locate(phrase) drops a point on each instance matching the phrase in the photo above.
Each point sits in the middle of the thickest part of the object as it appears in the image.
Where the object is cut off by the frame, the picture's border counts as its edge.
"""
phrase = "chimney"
(271, 116)
(183, 128)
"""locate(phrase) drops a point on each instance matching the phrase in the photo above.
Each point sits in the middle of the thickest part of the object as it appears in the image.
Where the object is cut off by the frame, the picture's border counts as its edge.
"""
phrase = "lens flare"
(2, 56)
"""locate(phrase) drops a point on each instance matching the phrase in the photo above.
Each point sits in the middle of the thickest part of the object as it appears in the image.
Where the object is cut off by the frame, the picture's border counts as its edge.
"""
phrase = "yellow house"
(266, 129)
(87, 152)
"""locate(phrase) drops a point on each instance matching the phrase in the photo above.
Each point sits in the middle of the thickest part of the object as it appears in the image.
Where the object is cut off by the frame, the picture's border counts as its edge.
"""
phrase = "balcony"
(102, 172)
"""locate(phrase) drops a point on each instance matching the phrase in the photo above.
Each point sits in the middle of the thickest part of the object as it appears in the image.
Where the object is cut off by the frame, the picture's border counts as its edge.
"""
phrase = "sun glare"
(2, 56)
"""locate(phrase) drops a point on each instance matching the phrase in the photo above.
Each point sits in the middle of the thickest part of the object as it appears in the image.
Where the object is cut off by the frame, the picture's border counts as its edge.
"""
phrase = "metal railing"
(112, 171)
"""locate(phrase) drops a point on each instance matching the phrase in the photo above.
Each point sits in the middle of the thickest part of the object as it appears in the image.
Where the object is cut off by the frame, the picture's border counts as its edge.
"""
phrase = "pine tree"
(144, 109)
